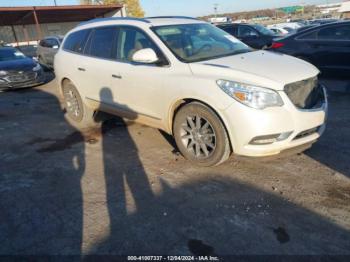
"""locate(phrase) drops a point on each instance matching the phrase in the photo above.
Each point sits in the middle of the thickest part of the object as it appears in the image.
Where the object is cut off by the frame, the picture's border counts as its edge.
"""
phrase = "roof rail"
(113, 19)
(183, 17)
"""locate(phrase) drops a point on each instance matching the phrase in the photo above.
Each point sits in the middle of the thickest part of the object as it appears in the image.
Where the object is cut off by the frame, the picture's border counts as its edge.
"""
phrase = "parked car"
(47, 50)
(213, 93)
(3, 43)
(302, 22)
(292, 25)
(323, 21)
(279, 31)
(254, 35)
(303, 28)
(326, 46)
(17, 70)
(29, 50)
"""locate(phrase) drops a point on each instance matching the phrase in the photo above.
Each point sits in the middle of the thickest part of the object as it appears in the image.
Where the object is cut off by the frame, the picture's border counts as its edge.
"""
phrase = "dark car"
(17, 70)
(256, 36)
(326, 46)
(303, 28)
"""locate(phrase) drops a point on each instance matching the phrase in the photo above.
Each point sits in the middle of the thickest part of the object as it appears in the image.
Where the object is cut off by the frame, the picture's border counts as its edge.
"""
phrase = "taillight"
(277, 45)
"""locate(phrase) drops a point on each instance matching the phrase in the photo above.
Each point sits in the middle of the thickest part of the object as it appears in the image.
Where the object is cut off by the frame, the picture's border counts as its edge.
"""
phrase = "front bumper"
(245, 124)
(38, 80)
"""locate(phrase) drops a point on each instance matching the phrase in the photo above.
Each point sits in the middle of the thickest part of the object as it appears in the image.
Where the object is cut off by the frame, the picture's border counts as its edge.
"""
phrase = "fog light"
(269, 139)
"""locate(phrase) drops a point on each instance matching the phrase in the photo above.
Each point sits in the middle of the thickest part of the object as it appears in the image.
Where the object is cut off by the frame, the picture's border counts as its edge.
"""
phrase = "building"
(345, 10)
(329, 8)
(27, 25)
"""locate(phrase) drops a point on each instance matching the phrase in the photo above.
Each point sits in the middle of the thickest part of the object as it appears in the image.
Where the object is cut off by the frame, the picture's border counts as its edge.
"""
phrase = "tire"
(77, 113)
(200, 135)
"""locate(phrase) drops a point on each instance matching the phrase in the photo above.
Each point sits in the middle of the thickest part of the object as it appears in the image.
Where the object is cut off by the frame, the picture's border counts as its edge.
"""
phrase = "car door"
(333, 48)
(250, 36)
(329, 48)
(136, 86)
(97, 65)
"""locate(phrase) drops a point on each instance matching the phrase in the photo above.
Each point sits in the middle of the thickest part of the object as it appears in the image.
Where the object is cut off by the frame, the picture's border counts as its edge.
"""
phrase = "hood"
(24, 64)
(262, 68)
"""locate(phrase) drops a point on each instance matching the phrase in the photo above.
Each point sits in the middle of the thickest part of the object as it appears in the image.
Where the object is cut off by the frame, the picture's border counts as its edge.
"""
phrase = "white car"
(292, 25)
(279, 30)
(213, 93)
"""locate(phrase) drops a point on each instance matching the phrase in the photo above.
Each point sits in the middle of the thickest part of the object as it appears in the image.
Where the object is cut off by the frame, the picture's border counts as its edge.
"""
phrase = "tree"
(133, 7)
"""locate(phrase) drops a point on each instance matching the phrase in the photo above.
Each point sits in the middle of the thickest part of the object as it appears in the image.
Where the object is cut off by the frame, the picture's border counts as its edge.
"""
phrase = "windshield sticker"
(168, 31)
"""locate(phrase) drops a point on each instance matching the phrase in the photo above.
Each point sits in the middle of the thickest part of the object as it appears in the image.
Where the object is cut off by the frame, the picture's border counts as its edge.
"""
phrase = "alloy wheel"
(198, 136)
(72, 103)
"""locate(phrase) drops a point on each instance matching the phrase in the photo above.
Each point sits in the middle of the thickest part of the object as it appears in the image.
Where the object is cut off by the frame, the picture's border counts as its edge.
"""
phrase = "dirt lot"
(125, 190)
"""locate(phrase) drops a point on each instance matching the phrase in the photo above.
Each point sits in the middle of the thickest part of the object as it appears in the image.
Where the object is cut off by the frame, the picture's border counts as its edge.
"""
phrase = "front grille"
(19, 77)
(305, 94)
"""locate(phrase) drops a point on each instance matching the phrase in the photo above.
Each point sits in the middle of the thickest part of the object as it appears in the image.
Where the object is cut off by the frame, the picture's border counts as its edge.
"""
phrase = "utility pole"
(55, 2)
(216, 6)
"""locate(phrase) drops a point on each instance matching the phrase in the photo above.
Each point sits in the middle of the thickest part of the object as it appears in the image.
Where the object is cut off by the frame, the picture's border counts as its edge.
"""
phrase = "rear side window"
(230, 29)
(75, 42)
(329, 33)
(101, 42)
(335, 33)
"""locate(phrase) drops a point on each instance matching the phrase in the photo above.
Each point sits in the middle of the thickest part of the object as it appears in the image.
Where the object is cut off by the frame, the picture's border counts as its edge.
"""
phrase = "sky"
(185, 7)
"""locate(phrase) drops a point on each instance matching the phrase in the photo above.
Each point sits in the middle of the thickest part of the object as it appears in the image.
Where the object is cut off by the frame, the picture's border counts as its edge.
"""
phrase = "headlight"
(3, 73)
(37, 67)
(252, 96)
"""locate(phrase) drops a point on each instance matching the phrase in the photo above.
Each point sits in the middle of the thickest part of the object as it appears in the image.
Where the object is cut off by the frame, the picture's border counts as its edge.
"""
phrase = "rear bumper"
(302, 126)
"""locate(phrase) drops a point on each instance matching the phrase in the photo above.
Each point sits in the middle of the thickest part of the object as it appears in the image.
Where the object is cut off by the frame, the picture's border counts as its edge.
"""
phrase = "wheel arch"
(61, 83)
(184, 101)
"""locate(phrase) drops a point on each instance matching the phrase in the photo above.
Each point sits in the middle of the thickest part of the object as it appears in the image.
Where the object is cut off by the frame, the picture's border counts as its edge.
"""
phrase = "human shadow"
(333, 148)
(123, 171)
(208, 214)
(42, 163)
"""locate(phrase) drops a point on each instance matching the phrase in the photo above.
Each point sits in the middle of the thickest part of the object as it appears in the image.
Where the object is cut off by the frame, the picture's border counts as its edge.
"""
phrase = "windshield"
(199, 42)
(263, 30)
(10, 54)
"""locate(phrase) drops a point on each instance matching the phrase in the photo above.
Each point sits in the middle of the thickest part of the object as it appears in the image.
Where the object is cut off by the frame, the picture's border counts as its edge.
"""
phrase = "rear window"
(75, 42)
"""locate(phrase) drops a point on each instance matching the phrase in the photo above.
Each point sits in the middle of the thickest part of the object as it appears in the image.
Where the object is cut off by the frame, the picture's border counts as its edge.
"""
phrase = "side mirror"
(146, 56)
(55, 47)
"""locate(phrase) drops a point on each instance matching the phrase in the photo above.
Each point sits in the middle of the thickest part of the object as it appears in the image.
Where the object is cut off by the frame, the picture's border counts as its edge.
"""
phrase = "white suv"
(213, 93)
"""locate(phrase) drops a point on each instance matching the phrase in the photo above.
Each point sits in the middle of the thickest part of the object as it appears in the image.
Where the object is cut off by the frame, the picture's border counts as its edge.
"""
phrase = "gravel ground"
(124, 189)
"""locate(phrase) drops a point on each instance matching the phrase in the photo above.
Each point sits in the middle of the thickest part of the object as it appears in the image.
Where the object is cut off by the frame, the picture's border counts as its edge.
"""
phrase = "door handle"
(117, 76)
(81, 69)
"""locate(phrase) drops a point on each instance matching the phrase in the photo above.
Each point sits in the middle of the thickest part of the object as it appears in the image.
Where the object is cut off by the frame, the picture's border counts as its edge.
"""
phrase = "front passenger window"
(130, 41)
